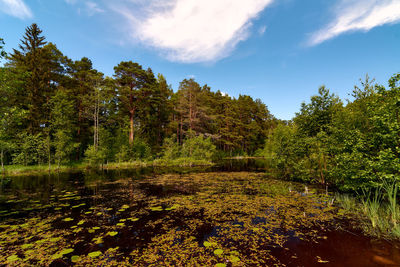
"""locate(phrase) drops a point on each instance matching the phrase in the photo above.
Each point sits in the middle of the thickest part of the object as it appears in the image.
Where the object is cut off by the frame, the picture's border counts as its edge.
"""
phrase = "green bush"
(196, 148)
(95, 157)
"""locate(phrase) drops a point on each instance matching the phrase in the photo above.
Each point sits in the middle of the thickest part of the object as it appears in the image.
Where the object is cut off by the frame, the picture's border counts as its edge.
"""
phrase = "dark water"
(136, 211)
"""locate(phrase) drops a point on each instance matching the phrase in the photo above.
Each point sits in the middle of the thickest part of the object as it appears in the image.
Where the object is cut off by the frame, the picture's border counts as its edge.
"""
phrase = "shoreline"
(18, 170)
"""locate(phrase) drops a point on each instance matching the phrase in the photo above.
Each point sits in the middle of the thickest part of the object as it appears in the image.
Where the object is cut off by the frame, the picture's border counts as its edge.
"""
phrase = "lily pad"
(94, 254)
(207, 244)
(12, 258)
(75, 258)
(25, 246)
(234, 259)
(67, 251)
(218, 252)
(113, 233)
(68, 219)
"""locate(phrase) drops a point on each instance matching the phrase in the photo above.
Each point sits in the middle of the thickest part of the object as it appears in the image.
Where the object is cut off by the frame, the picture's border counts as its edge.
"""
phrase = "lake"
(231, 214)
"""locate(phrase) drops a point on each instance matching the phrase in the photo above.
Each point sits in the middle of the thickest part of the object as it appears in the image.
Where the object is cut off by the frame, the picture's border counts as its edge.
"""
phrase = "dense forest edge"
(58, 113)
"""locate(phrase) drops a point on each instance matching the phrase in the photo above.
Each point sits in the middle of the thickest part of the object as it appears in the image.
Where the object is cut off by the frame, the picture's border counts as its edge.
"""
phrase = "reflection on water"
(230, 214)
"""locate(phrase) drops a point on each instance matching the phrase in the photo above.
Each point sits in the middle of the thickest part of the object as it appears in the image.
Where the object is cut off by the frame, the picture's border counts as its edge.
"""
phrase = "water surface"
(231, 214)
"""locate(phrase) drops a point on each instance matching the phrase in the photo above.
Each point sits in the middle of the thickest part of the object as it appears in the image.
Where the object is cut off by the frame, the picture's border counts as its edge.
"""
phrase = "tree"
(62, 126)
(42, 65)
(134, 89)
(317, 115)
(3, 53)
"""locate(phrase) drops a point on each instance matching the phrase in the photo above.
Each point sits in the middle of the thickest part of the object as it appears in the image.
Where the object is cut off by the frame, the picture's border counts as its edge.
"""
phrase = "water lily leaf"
(218, 252)
(56, 256)
(66, 251)
(68, 219)
(120, 224)
(25, 246)
(125, 207)
(75, 258)
(234, 259)
(220, 265)
(113, 233)
(172, 207)
(12, 258)
(81, 222)
(157, 208)
(207, 244)
(94, 254)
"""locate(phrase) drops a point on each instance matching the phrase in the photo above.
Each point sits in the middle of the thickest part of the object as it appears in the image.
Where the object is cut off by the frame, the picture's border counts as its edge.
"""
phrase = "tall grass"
(391, 194)
(371, 203)
(380, 212)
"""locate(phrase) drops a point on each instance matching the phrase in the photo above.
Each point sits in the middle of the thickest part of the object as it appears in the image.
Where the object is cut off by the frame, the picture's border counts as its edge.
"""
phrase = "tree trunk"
(180, 133)
(49, 150)
(131, 128)
(2, 162)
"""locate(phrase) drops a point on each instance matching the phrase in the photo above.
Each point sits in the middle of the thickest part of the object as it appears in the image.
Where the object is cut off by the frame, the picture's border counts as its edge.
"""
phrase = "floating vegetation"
(207, 219)
(113, 233)
(94, 254)
(218, 252)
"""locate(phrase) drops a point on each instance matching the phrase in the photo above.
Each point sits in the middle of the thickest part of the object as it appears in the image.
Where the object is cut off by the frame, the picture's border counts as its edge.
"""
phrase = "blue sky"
(280, 51)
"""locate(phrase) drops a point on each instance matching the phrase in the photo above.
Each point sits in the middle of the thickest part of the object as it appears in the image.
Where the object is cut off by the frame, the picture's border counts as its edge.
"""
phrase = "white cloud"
(358, 15)
(262, 30)
(92, 8)
(191, 30)
(16, 8)
(89, 7)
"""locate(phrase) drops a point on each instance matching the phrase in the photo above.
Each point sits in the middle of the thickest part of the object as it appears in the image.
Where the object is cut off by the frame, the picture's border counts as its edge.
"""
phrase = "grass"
(12, 170)
(17, 170)
(377, 209)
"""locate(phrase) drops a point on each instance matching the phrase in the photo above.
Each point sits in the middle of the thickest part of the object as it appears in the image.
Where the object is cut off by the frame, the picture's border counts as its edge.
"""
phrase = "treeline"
(354, 146)
(55, 110)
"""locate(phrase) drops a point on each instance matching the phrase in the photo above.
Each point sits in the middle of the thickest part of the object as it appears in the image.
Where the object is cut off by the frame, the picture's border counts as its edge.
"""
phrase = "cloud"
(92, 8)
(89, 7)
(358, 15)
(262, 30)
(16, 8)
(191, 30)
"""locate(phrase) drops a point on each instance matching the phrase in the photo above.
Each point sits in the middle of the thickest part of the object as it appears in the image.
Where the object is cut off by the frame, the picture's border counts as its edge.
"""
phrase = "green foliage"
(31, 149)
(196, 148)
(351, 147)
(171, 149)
(3, 53)
(95, 157)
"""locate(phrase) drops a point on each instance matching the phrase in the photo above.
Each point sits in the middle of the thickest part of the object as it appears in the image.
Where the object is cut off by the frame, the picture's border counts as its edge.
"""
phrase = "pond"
(231, 214)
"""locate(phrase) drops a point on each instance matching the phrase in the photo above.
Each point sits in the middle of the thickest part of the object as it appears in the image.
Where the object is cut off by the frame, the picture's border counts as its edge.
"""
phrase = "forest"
(59, 111)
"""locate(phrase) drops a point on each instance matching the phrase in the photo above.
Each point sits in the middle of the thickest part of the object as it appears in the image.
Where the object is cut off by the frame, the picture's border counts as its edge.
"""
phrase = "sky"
(280, 51)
